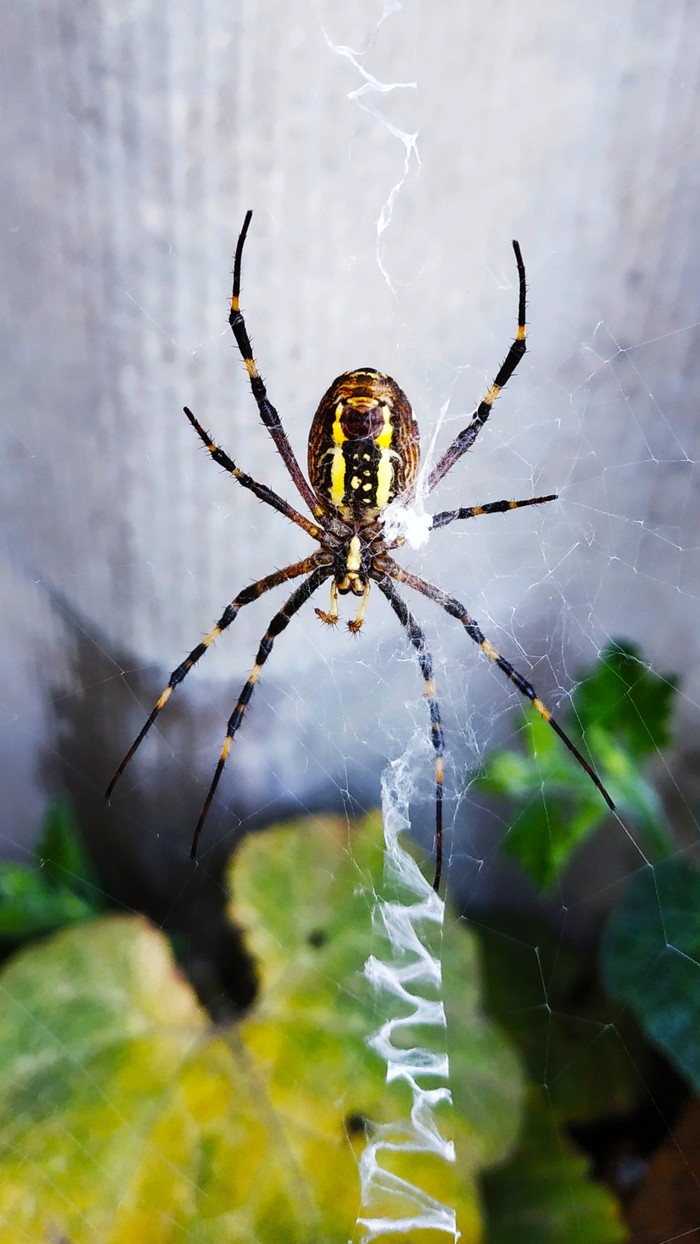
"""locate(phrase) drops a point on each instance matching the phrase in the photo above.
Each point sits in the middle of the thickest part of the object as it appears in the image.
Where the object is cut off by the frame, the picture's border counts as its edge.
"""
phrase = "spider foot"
(329, 619)
(355, 626)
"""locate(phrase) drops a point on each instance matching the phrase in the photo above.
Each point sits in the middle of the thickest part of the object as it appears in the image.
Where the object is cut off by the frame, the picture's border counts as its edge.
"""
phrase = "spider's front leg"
(468, 435)
(267, 411)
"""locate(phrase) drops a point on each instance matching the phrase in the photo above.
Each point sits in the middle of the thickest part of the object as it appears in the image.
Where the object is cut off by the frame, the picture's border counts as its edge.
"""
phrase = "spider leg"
(417, 638)
(268, 414)
(468, 435)
(245, 597)
(261, 491)
(281, 620)
(492, 507)
(457, 610)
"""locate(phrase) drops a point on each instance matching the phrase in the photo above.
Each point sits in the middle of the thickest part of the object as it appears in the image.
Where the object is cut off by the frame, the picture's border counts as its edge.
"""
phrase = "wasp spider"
(363, 454)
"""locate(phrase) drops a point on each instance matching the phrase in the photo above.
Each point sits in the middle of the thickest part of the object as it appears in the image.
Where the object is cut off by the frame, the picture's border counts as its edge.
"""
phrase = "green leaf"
(622, 711)
(311, 894)
(543, 836)
(574, 1041)
(125, 1115)
(651, 959)
(622, 697)
(544, 1195)
(56, 890)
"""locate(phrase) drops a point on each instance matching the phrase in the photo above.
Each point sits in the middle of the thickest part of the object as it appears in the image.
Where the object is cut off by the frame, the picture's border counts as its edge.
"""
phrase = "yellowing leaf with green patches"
(127, 1116)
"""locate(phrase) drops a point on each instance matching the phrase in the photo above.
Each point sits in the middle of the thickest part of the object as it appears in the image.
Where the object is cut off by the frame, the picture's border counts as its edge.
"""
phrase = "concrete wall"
(390, 155)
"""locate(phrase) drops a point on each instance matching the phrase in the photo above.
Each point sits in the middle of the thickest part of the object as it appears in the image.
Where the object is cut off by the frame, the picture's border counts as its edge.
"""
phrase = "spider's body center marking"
(355, 578)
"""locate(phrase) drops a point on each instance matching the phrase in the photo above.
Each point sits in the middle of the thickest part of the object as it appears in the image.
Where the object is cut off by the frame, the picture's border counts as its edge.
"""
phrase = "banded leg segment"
(245, 597)
(457, 610)
(417, 638)
(261, 491)
(268, 414)
(468, 435)
(280, 621)
(492, 507)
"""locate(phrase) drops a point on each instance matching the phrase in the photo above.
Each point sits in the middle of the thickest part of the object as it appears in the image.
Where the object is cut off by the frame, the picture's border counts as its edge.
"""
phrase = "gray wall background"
(387, 183)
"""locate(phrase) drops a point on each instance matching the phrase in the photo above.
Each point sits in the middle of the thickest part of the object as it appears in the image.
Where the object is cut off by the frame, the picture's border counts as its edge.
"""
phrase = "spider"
(363, 453)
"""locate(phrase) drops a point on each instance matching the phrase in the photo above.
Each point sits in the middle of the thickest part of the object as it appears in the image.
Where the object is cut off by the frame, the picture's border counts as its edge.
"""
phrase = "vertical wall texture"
(137, 135)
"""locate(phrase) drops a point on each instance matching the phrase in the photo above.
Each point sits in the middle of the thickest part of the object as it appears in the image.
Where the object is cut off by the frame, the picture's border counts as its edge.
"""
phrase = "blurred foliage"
(538, 1196)
(580, 1045)
(622, 711)
(125, 1113)
(55, 889)
(573, 1039)
(651, 959)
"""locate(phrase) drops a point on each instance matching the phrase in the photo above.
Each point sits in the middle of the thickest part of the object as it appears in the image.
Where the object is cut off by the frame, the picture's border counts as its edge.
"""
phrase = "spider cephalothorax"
(364, 453)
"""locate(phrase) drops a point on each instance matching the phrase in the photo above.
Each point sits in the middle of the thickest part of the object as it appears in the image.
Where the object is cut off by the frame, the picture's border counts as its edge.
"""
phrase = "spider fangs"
(363, 454)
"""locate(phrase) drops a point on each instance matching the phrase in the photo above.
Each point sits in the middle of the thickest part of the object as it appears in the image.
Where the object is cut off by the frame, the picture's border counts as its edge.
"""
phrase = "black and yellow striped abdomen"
(364, 446)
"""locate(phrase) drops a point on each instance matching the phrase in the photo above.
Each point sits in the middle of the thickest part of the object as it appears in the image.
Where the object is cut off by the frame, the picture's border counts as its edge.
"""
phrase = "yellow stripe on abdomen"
(385, 466)
(338, 458)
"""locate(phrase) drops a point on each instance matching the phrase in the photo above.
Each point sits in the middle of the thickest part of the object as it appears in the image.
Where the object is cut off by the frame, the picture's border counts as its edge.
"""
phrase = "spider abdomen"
(364, 447)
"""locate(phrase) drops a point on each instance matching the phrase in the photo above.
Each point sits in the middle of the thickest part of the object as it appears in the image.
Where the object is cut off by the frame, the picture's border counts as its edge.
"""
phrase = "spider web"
(389, 159)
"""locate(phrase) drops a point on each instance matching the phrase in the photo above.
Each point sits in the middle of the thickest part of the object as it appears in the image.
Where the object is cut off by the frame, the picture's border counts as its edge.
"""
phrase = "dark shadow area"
(140, 843)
